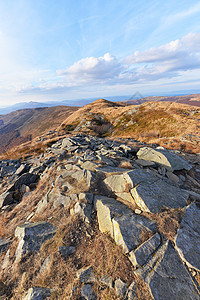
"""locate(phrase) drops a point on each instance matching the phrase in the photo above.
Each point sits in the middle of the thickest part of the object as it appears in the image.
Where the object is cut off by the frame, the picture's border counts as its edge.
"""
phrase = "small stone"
(45, 265)
(6, 260)
(108, 281)
(6, 198)
(37, 293)
(86, 275)
(66, 251)
(138, 211)
(194, 273)
(120, 287)
(22, 169)
(88, 293)
(4, 245)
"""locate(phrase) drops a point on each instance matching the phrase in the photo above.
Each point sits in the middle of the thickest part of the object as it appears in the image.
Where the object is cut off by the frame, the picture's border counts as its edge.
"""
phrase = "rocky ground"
(94, 218)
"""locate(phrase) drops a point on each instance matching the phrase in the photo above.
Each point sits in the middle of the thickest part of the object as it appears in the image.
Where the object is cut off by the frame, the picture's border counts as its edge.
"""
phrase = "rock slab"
(167, 277)
(31, 236)
(188, 237)
(164, 158)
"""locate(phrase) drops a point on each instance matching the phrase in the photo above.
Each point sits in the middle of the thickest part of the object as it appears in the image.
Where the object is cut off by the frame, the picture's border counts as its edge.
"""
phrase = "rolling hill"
(169, 124)
(23, 125)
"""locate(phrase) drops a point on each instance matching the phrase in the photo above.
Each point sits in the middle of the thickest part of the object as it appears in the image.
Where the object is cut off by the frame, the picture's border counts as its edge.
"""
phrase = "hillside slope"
(24, 125)
(166, 123)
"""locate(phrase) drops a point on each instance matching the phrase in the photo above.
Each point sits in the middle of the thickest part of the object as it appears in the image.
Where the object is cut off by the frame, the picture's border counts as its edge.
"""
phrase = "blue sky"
(65, 49)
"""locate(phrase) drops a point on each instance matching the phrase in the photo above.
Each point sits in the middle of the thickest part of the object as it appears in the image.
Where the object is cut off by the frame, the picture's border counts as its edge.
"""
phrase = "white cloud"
(179, 49)
(169, 61)
(93, 69)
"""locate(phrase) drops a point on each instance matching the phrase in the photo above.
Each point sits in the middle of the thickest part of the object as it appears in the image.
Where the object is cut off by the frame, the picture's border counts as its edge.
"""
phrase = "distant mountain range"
(137, 98)
(77, 102)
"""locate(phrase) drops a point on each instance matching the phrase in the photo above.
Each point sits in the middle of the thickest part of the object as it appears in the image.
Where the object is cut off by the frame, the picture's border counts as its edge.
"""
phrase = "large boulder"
(129, 230)
(164, 158)
(125, 227)
(107, 209)
(148, 190)
(188, 238)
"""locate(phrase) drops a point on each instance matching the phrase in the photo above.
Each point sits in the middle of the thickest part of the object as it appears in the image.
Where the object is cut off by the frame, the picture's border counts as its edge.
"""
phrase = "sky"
(70, 49)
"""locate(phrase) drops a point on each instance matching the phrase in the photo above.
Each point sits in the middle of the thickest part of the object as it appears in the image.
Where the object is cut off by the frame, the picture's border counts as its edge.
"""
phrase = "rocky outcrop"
(92, 188)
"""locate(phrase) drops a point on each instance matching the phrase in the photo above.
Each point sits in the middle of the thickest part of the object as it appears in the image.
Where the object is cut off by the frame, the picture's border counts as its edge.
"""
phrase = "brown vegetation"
(24, 125)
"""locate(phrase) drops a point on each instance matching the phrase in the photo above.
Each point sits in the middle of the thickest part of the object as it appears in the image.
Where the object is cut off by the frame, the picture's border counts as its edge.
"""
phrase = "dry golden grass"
(92, 249)
(162, 123)
(142, 290)
(168, 221)
(3, 229)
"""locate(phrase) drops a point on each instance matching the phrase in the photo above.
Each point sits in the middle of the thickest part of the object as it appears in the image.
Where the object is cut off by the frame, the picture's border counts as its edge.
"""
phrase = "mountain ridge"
(185, 99)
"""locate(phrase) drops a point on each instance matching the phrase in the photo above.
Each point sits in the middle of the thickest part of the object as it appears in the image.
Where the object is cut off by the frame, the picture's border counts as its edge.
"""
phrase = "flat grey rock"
(128, 230)
(155, 196)
(167, 277)
(86, 275)
(31, 236)
(139, 256)
(163, 157)
(88, 293)
(188, 237)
